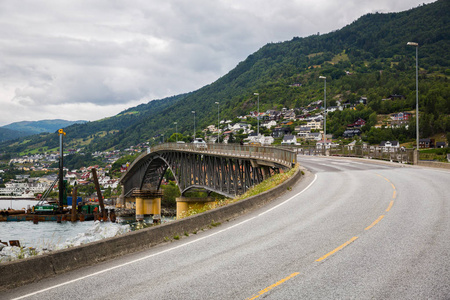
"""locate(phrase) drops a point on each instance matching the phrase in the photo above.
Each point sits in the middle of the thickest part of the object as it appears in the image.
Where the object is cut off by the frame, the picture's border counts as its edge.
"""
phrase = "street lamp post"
(176, 131)
(194, 123)
(257, 117)
(325, 111)
(417, 90)
(218, 123)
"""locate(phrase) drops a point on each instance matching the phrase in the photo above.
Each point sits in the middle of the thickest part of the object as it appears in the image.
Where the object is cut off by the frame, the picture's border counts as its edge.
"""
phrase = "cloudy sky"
(86, 60)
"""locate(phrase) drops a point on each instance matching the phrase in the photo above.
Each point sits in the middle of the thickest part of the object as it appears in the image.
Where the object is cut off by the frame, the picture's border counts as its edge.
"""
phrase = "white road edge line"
(286, 201)
(167, 250)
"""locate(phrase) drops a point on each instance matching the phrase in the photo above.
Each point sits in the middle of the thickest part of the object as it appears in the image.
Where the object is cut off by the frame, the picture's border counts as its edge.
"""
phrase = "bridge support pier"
(184, 204)
(148, 203)
(145, 208)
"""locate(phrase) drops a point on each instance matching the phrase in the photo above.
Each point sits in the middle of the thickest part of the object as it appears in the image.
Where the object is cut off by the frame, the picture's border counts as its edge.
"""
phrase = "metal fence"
(400, 155)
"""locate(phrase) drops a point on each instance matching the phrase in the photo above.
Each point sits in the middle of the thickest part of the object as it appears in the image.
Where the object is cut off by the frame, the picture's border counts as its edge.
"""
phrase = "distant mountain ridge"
(26, 128)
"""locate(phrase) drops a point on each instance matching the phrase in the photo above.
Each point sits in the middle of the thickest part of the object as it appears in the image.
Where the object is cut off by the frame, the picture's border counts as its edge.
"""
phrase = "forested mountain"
(8, 134)
(367, 58)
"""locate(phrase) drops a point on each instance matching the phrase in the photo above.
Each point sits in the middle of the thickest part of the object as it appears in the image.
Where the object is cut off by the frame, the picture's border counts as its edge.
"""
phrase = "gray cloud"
(91, 59)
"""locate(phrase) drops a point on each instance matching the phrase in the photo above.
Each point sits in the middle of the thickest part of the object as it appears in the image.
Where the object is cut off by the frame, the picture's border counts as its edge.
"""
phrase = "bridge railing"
(401, 155)
(285, 157)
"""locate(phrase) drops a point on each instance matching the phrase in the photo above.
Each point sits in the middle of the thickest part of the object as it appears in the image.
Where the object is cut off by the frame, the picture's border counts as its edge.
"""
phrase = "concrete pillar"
(145, 207)
(139, 209)
(184, 204)
(416, 157)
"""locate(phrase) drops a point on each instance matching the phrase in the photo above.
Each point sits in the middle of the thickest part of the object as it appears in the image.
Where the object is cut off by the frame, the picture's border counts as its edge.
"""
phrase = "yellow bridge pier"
(184, 204)
(148, 203)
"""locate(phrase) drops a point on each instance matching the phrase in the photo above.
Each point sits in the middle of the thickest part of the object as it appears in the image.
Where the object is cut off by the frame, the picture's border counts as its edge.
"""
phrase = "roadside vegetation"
(439, 154)
(264, 186)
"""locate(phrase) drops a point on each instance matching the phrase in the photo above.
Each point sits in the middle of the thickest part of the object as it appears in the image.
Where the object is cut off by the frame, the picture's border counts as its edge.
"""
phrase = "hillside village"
(305, 126)
(25, 186)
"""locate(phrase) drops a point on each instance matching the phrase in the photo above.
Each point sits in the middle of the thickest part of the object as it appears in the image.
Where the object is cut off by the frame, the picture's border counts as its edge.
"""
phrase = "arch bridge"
(229, 170)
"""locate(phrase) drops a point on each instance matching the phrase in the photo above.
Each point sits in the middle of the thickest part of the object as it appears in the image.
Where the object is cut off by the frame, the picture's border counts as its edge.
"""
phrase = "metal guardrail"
(285, 157)
(400, 155)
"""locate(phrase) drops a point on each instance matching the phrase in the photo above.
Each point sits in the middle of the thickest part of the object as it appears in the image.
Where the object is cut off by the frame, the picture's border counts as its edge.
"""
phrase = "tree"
(87, 189)
(170, 193)
(107, 192)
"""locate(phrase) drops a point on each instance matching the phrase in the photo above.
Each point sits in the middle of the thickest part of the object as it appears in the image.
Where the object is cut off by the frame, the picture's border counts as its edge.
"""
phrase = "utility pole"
(61, 175)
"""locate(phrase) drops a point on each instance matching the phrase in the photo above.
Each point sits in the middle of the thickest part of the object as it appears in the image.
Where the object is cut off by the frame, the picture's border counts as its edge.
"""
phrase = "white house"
(316, 136)
(303, 131)
(389, 146)
(321, 143)
(269, 124)
(238, 126)
(289, 140)
(313, 124)
(266, 140)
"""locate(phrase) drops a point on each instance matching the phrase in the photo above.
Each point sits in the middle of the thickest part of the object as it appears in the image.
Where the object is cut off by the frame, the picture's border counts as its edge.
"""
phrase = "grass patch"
(268, 184)
(194, 211)
(437, 154)
(215, 224)
(340, 57)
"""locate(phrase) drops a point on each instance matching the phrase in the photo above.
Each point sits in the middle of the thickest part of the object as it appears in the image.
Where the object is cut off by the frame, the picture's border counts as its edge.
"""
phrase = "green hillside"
(8, 134)
(372, 49)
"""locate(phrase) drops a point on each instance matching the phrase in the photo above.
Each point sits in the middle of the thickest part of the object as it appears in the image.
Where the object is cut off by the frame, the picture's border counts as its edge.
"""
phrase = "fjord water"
(16, 203)
(43, 234)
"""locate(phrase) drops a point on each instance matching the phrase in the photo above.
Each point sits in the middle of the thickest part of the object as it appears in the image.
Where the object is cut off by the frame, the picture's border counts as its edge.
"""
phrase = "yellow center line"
(394, 195)
(390, 205)
(375, 222)
(273, 285)
(338, 248)
(267, 289)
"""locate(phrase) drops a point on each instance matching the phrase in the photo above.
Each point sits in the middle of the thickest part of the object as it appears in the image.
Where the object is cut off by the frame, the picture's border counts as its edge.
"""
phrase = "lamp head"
(412, 44)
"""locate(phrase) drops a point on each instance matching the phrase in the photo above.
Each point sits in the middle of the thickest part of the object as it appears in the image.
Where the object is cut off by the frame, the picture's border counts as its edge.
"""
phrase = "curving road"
(351, 229)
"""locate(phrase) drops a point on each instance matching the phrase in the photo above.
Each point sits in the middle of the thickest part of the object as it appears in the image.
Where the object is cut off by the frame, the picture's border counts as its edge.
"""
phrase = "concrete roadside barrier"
(24, 271)
(434, 164)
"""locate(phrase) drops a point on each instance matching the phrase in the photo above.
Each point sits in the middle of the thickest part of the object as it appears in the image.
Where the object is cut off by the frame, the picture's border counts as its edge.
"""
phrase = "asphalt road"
(351, 229)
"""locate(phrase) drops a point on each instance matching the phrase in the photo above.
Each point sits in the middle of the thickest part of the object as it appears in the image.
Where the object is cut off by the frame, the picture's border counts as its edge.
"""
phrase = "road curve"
(350, 229)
